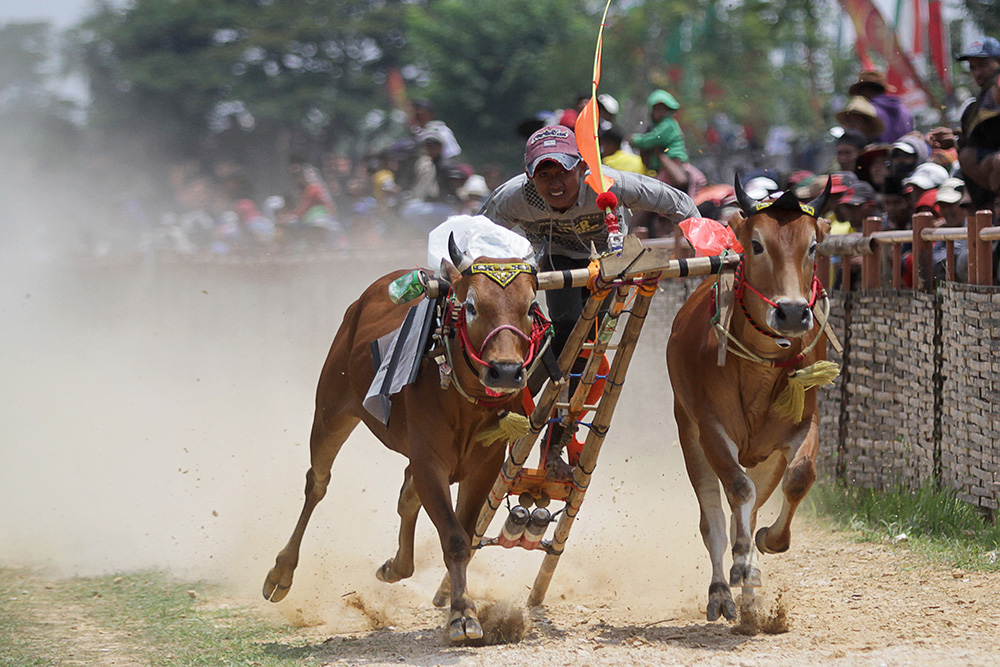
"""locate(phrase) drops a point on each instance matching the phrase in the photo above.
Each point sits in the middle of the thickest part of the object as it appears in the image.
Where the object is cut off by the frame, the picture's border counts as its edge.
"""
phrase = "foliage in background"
(935, 522)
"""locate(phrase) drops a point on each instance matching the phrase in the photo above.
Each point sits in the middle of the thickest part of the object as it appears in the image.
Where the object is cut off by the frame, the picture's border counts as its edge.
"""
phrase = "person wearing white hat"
(949, 197)
(926, 176)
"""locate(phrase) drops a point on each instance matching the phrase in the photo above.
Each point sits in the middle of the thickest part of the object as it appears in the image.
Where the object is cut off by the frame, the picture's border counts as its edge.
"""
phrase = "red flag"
(938, 39)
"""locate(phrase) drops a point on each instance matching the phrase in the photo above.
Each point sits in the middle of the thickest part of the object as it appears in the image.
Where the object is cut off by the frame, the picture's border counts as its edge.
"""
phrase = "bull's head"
(497, 298)
(780, 237)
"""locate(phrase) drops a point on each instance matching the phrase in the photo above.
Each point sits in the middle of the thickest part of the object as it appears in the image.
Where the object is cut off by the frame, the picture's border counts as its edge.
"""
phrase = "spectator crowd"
(882, 166)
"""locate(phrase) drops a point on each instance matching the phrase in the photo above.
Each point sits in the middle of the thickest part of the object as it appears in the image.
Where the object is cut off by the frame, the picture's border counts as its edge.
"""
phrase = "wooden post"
(897, 266)
(923, 269)
(984, 250)
(823, 269)
(870, 264)
(845, 268)
(973, 249)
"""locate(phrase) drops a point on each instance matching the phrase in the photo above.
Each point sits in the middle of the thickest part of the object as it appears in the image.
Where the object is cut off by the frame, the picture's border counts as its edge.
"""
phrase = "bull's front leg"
(430, 478)
(795, 484)
(723, 455)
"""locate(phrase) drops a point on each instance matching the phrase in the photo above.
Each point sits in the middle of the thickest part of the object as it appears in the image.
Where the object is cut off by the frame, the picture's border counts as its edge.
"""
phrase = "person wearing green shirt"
(666, 135)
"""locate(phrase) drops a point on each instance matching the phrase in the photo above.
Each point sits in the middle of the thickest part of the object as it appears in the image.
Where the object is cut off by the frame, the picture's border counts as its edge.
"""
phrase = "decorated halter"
(540, 326)
(818, 291)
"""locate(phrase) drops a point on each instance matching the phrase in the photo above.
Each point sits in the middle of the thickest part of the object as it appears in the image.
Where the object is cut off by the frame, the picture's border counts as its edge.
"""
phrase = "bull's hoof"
(277, 584)
(720, 601)
(387, 574)
(744, 574)
(760, 539)
(464, 627)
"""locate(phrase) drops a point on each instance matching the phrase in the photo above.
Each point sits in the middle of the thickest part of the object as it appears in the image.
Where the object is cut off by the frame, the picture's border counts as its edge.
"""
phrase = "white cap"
(927, 176)
(760, 187)
(609, 103)
(950, 192)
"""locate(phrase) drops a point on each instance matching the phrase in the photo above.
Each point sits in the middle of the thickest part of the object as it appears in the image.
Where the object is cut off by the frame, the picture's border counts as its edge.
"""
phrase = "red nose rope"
(742, 284)
(540, 328)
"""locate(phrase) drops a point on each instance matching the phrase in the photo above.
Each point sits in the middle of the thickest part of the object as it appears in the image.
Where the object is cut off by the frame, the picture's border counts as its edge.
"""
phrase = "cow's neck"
(763, 346)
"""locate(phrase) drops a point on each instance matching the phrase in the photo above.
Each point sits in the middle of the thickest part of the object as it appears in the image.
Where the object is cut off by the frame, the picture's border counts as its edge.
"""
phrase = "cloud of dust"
(158, 416)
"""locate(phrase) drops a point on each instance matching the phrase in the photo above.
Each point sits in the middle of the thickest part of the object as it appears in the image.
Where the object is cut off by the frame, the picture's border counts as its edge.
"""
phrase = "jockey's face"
(558, 186)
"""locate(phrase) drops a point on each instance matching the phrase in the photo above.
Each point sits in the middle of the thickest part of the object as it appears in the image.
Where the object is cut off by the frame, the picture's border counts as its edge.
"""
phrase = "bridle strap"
(743, 284)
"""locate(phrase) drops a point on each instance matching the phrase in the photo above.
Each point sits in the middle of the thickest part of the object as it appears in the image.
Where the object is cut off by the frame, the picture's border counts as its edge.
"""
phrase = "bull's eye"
(470, 309)
(757, 247)
(812, 249)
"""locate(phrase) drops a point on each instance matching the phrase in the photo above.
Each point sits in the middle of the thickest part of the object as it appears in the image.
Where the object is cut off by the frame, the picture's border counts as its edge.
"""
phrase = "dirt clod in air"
(757, 617)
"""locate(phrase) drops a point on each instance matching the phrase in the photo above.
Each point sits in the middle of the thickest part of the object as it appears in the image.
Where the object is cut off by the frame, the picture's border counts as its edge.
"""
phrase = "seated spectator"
(860, 115)
(906, 154)
(858, 202)
(662, 147)
(895, 117)
(434, 196)
(614, 156)
(873, 165)
(897, 206)
(313, 221)
(926, 177)
(948, 200)
(849, 147)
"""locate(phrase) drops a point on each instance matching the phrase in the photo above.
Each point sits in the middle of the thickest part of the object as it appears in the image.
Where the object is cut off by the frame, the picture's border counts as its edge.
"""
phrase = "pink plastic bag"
(709, 237)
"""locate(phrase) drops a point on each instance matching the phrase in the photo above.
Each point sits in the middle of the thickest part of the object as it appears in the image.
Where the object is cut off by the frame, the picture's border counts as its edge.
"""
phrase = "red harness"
(540, 328)
(742, 284)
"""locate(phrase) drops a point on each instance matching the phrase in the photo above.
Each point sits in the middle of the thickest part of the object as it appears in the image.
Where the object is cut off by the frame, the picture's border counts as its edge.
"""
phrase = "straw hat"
(860, 113)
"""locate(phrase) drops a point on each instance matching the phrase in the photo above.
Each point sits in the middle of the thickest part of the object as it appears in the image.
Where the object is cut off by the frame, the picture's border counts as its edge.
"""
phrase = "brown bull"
(741, 423)
(437, 429)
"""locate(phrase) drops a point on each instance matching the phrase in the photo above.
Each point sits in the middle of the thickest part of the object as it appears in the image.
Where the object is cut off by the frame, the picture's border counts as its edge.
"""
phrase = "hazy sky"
(61, 13)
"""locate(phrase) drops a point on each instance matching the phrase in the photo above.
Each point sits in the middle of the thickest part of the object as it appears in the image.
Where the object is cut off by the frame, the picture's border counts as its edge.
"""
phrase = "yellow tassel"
(792, 399)
(510, 427)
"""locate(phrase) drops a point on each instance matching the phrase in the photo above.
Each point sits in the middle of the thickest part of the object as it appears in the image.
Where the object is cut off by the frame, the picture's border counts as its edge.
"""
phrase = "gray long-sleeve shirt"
(517, 205)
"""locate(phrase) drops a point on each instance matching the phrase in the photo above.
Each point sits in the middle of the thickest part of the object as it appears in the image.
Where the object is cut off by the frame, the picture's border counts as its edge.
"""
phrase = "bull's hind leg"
(713, 519)
(795, 484)
(328, 436)
(400, 566)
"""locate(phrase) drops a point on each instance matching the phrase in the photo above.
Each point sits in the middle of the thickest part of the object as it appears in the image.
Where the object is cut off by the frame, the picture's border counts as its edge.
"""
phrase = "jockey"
(552, 206)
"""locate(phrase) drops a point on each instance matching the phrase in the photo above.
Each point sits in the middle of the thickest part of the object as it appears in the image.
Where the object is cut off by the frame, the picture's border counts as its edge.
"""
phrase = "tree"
(187, 75)
(491, 65)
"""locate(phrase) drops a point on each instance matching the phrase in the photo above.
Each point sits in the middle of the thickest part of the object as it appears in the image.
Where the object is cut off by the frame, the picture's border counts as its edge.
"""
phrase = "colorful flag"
(873, 33)
(586, 124)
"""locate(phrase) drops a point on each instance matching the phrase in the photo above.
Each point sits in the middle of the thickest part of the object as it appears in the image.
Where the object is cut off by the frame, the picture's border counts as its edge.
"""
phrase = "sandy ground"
(158, 418)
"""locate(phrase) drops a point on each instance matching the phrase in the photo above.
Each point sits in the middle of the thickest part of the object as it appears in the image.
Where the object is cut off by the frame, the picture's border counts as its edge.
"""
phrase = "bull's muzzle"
(790, 317)
(503, 376)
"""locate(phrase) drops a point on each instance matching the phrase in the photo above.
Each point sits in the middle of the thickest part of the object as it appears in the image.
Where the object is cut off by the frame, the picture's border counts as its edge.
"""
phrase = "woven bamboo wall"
(889, 434)
(970, 415)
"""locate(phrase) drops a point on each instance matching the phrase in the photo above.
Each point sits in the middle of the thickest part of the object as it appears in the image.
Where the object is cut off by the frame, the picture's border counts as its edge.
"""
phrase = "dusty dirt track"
(156, 417)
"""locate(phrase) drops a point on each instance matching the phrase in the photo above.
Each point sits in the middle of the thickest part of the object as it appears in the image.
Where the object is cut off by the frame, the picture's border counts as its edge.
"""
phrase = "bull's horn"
(818, 203)
(747, 203)
(458, 258)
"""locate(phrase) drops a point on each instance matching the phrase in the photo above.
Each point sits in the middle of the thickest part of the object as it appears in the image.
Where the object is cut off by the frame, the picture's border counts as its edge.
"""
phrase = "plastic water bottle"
(407, 287)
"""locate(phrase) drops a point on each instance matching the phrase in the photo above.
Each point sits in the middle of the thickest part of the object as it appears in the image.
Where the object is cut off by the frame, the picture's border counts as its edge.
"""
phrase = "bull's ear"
(823, 228)
(449, 271)
(736, 221)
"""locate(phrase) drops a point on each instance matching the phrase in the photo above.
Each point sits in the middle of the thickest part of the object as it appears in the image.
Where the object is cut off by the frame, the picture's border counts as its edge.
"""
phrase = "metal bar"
(588, 458)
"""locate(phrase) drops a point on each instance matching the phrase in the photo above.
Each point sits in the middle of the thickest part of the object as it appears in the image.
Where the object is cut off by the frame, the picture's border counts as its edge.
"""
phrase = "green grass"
(170, 623)
(16, 628)
(937, 525)
(151, 616)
